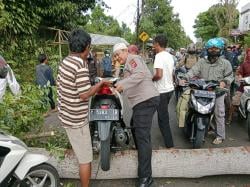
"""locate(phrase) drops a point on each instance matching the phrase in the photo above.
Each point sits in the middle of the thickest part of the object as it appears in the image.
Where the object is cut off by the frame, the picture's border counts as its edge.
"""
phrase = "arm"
(13, 84)
(83, 84)
(158, 66)
(137, 75)
(50, 77)
(158, 74)
(194, 71)
(228, 73)
(86, 95)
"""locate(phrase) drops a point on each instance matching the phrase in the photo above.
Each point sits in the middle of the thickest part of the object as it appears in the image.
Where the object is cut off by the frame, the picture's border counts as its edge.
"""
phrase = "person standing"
(163, 80)
(74, 90)
(143, 97)
(92, 66)
(45, 78)
(7, 77)
(107, 64)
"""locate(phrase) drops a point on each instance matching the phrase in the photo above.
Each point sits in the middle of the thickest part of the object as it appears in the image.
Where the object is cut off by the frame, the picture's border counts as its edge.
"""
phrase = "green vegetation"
(218, 20)
(158, 17)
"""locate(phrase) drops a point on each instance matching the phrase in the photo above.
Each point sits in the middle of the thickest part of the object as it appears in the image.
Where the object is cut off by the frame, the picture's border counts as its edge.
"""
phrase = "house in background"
(244, 23)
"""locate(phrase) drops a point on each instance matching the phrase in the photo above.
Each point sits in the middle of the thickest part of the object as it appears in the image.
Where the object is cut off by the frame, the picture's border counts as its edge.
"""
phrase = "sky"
(125, 11)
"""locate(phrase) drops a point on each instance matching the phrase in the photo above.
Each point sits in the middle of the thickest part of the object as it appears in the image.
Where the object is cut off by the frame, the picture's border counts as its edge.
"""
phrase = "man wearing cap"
(7, 78)
(143, 97)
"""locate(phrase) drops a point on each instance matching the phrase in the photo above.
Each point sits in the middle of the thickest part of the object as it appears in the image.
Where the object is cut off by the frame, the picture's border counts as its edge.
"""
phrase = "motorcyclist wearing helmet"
(214, 67)
(190, 58)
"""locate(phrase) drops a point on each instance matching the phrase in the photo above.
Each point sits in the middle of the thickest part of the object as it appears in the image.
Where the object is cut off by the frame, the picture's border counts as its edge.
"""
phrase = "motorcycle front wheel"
(43, 175)
(248, 124)
(198, 141)
(105, 154)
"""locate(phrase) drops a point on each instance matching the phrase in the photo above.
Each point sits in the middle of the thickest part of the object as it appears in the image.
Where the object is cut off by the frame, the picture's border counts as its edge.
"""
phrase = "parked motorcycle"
(200, 109)
(107, 127)
(244, 107)
(19, 167)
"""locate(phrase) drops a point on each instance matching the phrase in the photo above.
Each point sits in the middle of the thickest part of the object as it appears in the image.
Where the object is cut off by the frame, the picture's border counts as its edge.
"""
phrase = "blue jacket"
(44, 74)
(107, 63)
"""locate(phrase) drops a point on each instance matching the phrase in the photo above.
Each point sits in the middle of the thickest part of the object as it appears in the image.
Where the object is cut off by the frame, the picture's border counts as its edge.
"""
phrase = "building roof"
(98, 39)
(245, 8)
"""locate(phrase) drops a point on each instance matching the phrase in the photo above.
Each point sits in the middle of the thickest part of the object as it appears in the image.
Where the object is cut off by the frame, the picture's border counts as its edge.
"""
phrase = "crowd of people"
(146, 92)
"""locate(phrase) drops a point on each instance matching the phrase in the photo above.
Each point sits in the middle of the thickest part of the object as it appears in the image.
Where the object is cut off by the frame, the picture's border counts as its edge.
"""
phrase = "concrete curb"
(183, 163)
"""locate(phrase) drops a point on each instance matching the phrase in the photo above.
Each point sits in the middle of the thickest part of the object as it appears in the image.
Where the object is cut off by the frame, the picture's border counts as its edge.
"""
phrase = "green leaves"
(218, 20)
(158, 17)
(23, 114)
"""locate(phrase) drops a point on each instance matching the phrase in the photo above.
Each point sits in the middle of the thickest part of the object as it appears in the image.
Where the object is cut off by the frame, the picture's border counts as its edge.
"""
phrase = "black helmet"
(191, 48)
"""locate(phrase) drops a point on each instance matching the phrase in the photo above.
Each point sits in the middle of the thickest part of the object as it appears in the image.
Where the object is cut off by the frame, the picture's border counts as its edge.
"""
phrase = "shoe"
(228, 122)
(145, 182)
(54, 110)
(217, 140)
(46, 114)
(210, 132)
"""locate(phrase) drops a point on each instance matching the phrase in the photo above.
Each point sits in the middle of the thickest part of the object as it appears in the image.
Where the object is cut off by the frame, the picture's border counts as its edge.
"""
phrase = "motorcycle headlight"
(201, 107)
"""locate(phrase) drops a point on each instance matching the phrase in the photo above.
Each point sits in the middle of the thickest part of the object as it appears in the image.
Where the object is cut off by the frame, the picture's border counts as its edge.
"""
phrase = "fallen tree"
(185, 163)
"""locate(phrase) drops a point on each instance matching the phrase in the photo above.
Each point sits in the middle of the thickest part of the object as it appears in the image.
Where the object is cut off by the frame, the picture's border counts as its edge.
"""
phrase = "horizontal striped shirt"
(72, 80)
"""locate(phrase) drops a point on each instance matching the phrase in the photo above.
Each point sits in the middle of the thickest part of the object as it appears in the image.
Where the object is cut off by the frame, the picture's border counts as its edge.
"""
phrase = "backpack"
(182, 107)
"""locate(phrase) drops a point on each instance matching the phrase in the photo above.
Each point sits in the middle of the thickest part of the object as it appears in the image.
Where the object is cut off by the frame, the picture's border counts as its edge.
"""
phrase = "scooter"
(19, 167)
(200, 109)
(108, 130)
(244, 107)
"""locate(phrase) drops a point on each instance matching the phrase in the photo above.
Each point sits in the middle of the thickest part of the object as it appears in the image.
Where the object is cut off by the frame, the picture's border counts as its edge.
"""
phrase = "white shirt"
(12, 83)
(164, 61)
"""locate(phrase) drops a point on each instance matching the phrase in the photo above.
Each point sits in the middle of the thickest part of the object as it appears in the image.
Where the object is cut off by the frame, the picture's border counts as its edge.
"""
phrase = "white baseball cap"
(119, 46)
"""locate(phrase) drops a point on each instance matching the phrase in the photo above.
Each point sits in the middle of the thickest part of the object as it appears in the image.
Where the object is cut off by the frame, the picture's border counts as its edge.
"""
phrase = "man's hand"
(118, 87)
(222, 84)
(182, 82)
(105, 82)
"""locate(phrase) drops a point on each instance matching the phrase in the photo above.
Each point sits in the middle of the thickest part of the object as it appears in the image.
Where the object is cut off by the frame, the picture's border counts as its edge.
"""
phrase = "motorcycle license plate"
(103, 115)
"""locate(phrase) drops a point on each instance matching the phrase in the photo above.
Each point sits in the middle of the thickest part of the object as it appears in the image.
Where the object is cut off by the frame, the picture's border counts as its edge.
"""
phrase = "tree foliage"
(158, 17)
(100, 23)
(218, 20)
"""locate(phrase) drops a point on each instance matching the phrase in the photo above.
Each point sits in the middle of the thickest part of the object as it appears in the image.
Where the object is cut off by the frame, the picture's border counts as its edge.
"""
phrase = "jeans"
(163, 119)
(51, 100)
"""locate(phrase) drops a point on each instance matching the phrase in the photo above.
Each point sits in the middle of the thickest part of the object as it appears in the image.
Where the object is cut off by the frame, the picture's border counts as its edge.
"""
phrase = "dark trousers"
(163, 119)
(142, 122)
(51, 100)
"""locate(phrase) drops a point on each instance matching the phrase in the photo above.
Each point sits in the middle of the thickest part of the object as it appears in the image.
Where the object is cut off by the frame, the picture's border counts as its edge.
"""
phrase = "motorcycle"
(108, 130)
(19, 167)
(200, 109)
(244, 107)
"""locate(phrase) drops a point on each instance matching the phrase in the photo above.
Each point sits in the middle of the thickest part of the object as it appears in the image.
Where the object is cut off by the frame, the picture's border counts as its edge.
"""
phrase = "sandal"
(217, 140)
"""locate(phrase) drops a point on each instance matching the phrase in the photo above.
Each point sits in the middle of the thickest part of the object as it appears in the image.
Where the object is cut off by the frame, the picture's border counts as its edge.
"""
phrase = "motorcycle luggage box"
(104, 115)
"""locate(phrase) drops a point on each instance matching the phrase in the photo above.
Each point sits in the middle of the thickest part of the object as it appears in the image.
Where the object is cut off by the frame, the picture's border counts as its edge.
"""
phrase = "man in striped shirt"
(74, 90)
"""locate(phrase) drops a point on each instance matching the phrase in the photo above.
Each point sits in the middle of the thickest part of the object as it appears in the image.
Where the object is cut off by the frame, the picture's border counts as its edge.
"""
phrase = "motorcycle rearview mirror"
(247, 80)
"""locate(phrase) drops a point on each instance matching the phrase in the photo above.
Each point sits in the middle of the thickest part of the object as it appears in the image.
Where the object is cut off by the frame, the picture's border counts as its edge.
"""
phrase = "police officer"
(143, 97)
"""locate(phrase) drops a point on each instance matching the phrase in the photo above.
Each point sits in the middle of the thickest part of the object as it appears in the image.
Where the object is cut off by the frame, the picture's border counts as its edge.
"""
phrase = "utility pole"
(137, 21)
